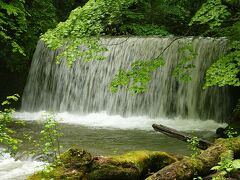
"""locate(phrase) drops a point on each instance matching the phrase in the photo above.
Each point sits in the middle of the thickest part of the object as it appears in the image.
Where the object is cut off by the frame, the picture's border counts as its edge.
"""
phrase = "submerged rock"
(79, 164)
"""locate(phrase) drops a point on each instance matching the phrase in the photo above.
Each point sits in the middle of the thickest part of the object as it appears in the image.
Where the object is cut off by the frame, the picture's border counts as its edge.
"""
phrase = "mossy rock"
(72, 164)
(76, 158)
(79, 164)
(58, 173)
(132, 165)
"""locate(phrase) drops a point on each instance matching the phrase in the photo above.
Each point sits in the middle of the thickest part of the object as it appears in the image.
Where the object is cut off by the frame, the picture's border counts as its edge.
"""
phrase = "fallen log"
(203, 144)
(79, 164)
(199, 165)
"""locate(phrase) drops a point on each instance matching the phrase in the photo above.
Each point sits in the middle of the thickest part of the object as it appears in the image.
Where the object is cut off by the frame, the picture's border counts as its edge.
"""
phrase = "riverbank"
(208, 164)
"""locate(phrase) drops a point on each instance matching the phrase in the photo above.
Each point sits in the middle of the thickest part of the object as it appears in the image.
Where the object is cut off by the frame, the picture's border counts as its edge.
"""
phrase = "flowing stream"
(109, 123)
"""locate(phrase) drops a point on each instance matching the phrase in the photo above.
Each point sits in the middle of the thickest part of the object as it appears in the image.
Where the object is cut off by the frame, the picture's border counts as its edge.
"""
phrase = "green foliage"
(193, 144)
(148, 17)
(226, 165)
(12, 24)
(237, 109)
(185, 65)
(42, 16)
(49, 139)
(21, 23)
(173, 15)
(79, 34)
(137, 12)
(138, 77)
(7, 138)
(143, 29)
(198, 178)
(64, 7)
(177, 9)
(230, 132)
(232, 32)
(226, 70)
(212, 13)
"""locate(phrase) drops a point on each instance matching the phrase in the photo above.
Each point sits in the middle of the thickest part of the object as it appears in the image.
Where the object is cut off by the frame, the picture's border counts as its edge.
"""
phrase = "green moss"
(132, 165)
(72, 164)
(58, 172)
(230, 143)
(79, 164)
(144, 160)
(76, 158)
(109, 172)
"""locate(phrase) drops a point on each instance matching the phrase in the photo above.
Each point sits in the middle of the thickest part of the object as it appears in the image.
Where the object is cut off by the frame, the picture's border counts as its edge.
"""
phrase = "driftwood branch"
(203, 144)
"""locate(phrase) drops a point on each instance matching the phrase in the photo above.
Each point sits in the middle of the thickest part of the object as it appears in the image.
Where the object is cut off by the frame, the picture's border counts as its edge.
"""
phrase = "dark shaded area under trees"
(24, 22)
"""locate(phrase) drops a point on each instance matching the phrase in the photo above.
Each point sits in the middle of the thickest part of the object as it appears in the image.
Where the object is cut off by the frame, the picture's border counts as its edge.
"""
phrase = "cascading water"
(121, 121)
(84, 88)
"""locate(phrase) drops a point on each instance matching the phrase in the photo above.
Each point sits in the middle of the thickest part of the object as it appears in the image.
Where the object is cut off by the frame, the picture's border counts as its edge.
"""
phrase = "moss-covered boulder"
(79, 164)
(132, 165)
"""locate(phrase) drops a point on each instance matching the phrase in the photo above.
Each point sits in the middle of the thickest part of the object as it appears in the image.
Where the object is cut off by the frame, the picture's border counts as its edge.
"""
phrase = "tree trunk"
(203, 144)
(199, 165)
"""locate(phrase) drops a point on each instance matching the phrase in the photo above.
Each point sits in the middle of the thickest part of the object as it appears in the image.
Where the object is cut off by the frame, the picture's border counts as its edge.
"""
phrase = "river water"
(102, 134)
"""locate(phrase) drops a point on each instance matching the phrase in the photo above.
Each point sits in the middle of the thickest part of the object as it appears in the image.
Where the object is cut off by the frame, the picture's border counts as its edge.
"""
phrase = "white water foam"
(103, 120)
(11, 169)
(18, 170)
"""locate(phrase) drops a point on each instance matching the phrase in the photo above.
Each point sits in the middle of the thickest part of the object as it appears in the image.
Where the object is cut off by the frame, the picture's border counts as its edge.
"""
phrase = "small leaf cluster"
(230, 132)
(49, 143)
(226, 165)
(193, 144)
(137, 78)
(225, 71)
(198, 178)
(185, 64)
(212, 13)
(7, 138)
(143, 29)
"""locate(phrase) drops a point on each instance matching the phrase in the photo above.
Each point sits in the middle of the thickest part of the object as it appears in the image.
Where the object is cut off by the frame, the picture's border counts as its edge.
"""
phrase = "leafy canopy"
(212, 13)
(138, 77)
(218, 14)
(226, 70)
(21, 23)
(12, 23)
(79, 34)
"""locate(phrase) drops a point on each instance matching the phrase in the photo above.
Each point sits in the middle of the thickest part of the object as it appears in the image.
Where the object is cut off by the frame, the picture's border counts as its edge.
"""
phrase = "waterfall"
(84, 87)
